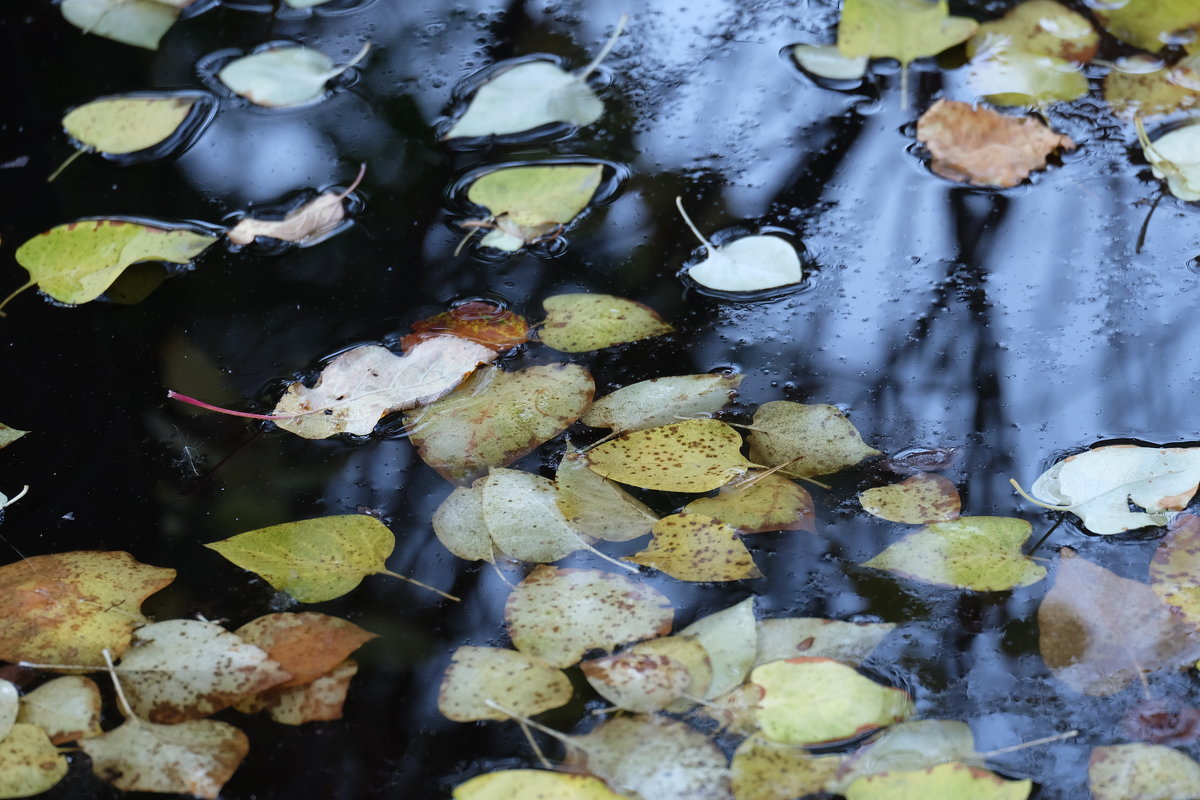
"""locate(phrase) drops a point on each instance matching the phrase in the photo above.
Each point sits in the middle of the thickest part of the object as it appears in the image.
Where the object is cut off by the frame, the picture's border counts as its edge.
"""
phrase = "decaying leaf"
(1098, 631)
(361, 385)
(482, 321)
(528, 203)
(825, 61)
(1145, 87)
(978, 553)
(595, 506)
(459, 525)
(288, 75)
(67, 608)
(9, 435)
(318, 701)
(140, 23)
(745, 264)
(637, 680)
(1098, 485)
(313, 222)
(532, 784)
(809, 439)
(1175, 568)
(729, 637)
(791, 637)
(518, 682)
(1150, 24)
(947, 781)
(29, 763)
(76, 262)
(1039, 27)
(695, 455)
(918, 500)
(523, 518)
(982, 147)
(769, 503)
(10, 704)
(766, 770)
(560, 614)
(1162, 721)
(660, 401)
(496, 417)
(1175, 156)
(582, 322)
(305, 644)
(1137, 771)
(66, 708)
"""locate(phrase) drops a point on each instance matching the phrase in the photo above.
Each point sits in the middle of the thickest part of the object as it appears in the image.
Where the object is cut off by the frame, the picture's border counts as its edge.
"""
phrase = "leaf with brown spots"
(686, 651)
(482, 321)
(518, 682)
(1040, 27)
(638, 681)
(305, 643)
(790, 637)
(29, 763)
(807, 439)
(766, 770)
(952, 781)
(186, 669)
(694, 547)
(580, 323)
(1175, 568)
(769, 503)
(919, 500)
(318, 701)
(695, 455)
(560, 614)
(67, 708)
(984, 148)
(67, 608)
(1137, 771)
(496, 417)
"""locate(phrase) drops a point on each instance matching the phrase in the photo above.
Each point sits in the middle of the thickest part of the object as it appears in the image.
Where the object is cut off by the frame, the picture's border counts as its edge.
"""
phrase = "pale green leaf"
(1016, 78)
(659, 401)
(525, 96)
(809, 439)
(532, 784)
(746, 264)
(766, 770)
(825, 61)
(1150, 24)
(141, 23)
(731, 639)
(518, 682)
(67, 708)
(792, 637)
(582, 322)
(29, 763)
(528, 203)
(1142, 772)
(907, 747)
(901, 29)
(951, 781)
(9, 435)
(1175, 156)
(458, 524)
(127, 123)
(289, 75)
(596, 506)
(523, 518)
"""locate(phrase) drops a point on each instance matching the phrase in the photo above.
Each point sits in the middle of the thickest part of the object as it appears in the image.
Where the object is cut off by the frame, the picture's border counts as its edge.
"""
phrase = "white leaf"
(1176, 157)
(525, 97)
(141, 23)
(748, 264)
(825, 61)
(284, 76)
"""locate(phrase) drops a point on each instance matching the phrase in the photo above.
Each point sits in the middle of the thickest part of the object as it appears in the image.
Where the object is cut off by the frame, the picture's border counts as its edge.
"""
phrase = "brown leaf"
(984, 148)
(308, 224)
(482, 321)
(306, 644)
(1162, 721)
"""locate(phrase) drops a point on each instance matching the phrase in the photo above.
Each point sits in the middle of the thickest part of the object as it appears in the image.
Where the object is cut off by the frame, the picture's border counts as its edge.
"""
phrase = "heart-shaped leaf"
(529, 203)
(693, 547)
(767, 503)
(659, 401)
(747, 264)
(140, 23)
(518, 682)
(288, 75)
(579, 323)
(29, 763)
(918, 500)
(766, 770)
(695, 455)
(808, 439)
(131, 123)
(66, 708)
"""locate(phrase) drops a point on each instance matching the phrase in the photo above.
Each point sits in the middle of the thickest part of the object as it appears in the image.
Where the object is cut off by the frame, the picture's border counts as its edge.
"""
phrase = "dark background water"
(1014, 325)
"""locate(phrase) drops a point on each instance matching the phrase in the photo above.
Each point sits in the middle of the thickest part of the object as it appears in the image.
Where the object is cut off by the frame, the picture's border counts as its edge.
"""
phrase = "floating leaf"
(1150, 24)
(769, 503)
(305, 644)
(76, 262)
(818, 700)
(1162, 721)
(361, 385)
(318, 701)
(67, 608)
(1015, 78)
(560, 614)
(185, 669)
(766, 770)
(482, 321)
(1175, 568)
(791, 637)
(978, 553)
(1098, 485)
(596, 506)
(532, 784)
(10, 703)
(1143, 87)
(195, 757)
(529, 203)
(1173, 156)
(695, 455)
(638, 681)
(693, 547)
(496, 417)
(521, 683)
(825, 61)
(918, 500)
(580, 323)
(315, 560)
(1041, 28)
(1142, 772)
(529, 94)
(808, 439)
(730, 638)
(984, 148)
(288, 75)
(949, 781)
(140, 23)
(659, 401)
(66, 708)
(9, 435)
(129, 123)
(1099, 631)
(313, 222)
(908, 747)
(745, 264)
(458, 524)
(29, 763)
(523, 518)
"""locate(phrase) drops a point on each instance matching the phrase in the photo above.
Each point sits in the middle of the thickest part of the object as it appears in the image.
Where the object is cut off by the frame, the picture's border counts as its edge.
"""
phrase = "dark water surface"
(1015, 325)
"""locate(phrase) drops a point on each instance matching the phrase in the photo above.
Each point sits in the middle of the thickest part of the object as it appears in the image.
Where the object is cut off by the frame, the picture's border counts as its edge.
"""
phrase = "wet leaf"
(1142, 772)
(1144, 87)
(195, 757)
(730, 638)
(521, 683)
(919, 500)
(766, 770)
(769, 503)
(660, 401)
(1098, 631)
(792, 637)
(66, 708)
(361, 385)
(809, 439)
(1098, 485)
(638, 681)
(596, 506)
(314, 560)
(9, 435)
(459, 525)
(523, 519)
(580, 323)
(185, 669)
(305, 644)
(1041, 28)
(901, 29)
(127, 123)
(825, 61)
(984, 148)
(943, 782)
(1174, 156)
(496, 417)
(1175, 568)
(653, 758)
(532, 784)
(29, 763)
(528, 203)
(482, 321)
(1150, 24)
(318, 701)
(1008, 77)
(693, 547)
(745, 264)
(313, 222)
(1161, 721)
(290, 75)
(676, 654)
(978, 553)
(560, 614)
(76, 262)
(908, 747)
(695, 455)
(140, 23)
(10, 703)
(817, 700)
(67, 608)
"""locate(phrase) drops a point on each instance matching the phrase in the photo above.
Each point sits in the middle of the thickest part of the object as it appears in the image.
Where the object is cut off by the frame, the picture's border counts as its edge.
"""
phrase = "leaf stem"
(69, 161)
(562, 737)
(1034, 500)
(416, 582)
(604, 51)
(690, 224)
(1044, 740)
(24, 491)
(183, 398)
(8, 299)
(123, 701)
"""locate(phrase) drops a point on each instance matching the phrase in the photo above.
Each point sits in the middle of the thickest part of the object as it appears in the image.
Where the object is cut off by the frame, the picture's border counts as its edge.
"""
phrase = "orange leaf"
(306, 644)
(484, 322)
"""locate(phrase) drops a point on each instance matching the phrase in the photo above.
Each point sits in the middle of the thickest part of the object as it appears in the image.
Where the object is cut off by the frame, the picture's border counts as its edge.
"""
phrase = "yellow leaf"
(694, 455)
(128, 123)
(532, 784)
(766, 770)
(693, 547)
(1142, 772)
(769, 503)
(578, 323)
(809, 439)
(901, 29)
(595, 505)
(29, 763)
(918, 500)
(523, 684)
(951, 781)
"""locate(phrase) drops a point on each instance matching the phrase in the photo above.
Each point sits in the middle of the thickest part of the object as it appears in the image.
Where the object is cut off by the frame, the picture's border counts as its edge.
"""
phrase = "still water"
(1013, 325)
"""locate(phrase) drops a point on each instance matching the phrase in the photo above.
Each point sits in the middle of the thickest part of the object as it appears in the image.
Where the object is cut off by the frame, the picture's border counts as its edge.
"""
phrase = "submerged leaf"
(579, 323)
(693, 547)
(528, 203)
(127, 123)
(918, 500)
(908, 747)
(1016, 78)
(1041, 28)
(659, 401)
(518, 682)
(746, 264)
(288, 75)
(140, 23)
(29, 763)
(1142, 772)
(1175, 156)
(1137, 87)
(902, 29)
(1175, 568)
(792, 637)
(809, 439)
(695, 455)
